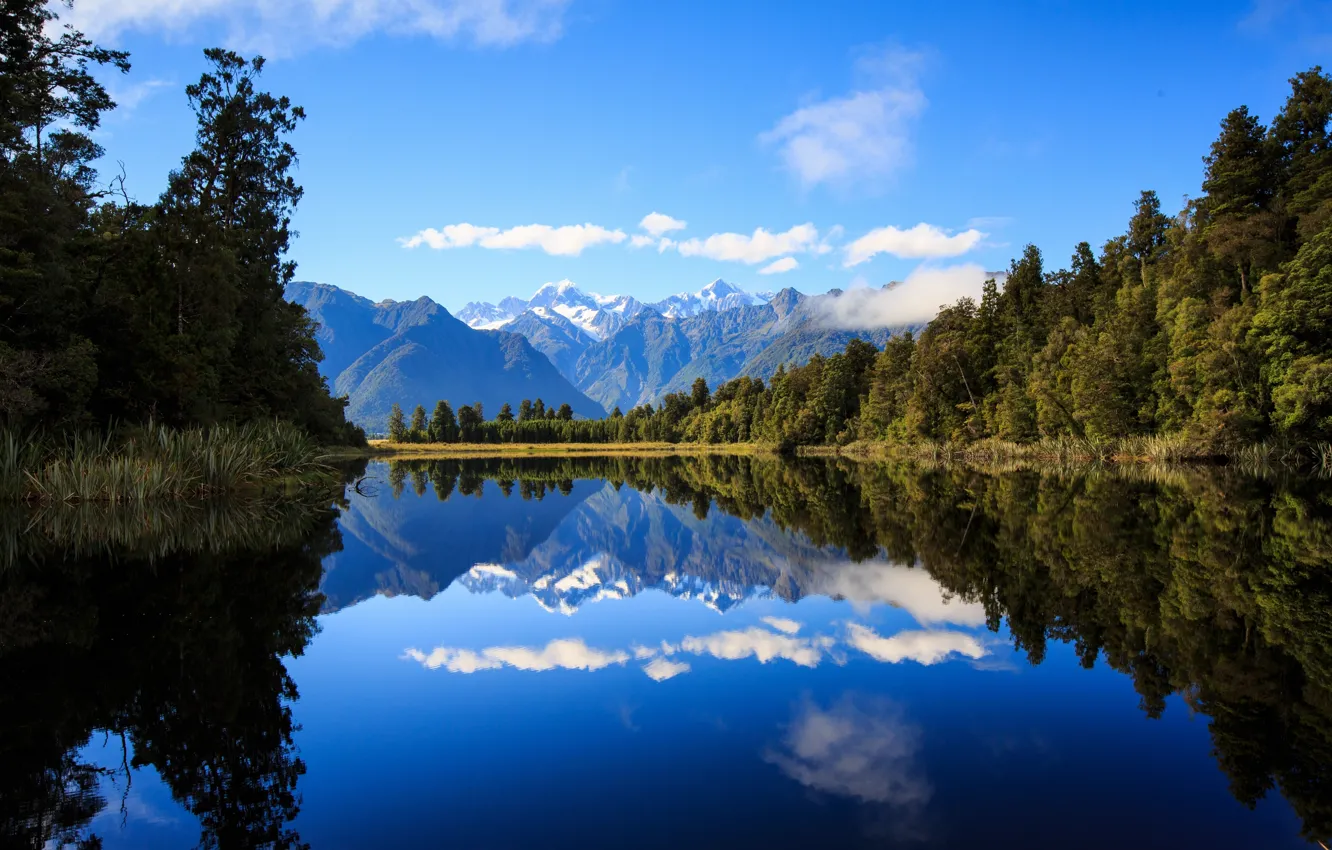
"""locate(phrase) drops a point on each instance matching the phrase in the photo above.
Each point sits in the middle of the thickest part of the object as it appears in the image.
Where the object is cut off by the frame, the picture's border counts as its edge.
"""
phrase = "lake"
(677, 652)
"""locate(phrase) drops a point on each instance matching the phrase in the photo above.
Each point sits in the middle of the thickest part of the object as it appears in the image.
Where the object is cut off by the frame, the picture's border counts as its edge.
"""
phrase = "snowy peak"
(718, 295)
(600, 316)
(563, 294)
(483, 316)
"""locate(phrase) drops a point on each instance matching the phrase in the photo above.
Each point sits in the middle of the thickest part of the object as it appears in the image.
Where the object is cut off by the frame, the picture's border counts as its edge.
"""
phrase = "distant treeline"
(113, 310)
(1214, 327)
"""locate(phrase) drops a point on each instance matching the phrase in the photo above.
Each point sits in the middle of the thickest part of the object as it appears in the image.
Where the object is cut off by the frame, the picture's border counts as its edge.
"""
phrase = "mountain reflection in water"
(793, 605)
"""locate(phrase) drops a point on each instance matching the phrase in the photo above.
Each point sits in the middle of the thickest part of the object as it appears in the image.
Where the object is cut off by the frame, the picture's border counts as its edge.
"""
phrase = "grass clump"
(153, 462)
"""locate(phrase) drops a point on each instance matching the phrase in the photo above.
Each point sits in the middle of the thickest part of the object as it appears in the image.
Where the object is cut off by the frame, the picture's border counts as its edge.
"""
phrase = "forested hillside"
(115, 310)
(1212, 326)
(415, 352)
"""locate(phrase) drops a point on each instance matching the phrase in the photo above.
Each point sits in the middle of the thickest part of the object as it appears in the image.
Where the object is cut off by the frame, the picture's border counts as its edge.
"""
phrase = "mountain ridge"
(417, 352)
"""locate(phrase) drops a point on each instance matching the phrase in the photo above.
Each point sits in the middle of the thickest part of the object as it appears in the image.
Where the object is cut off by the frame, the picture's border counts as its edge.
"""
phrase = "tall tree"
(48, 363)
(1303, 140)
(699, 395)
(397, 425)
(1240, 183)
(443, 426)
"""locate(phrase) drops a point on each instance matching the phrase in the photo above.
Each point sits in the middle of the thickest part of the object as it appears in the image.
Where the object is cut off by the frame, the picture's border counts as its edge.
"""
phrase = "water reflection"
(821, 634)
(168, 645)
(1209, 585)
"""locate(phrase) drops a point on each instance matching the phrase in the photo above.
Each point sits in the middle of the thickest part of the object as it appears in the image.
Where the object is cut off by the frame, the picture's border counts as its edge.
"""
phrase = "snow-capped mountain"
(603, 315)
(716, 296)
(484, 317)
(598, 316)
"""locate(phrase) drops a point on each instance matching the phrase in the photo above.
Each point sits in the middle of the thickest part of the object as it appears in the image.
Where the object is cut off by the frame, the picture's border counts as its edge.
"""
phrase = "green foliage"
(397, 425)
(443, 426)
(152, 463)
(1291, 329)
(116, 311)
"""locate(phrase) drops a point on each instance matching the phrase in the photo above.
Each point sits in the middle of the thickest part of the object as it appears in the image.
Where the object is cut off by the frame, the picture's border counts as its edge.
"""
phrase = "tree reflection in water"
(1210, 584)
(168, 631)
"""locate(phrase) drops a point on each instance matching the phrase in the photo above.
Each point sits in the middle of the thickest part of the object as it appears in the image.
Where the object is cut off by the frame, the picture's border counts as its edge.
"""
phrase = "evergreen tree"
(699, 395)
(48, 360)
(1240, 184)
(1147, 230)
(1302, 137)
(506, 413)
(397, 425)
(443, 426)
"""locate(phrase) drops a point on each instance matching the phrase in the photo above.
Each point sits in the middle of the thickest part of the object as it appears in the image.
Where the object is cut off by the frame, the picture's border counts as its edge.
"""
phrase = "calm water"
(723, 652)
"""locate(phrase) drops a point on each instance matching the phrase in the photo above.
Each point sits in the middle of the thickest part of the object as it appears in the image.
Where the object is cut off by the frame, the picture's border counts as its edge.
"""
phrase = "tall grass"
(150, 463)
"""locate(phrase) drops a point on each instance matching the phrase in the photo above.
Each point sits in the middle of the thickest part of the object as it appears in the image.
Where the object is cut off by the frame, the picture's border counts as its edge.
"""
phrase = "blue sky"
(824, 124)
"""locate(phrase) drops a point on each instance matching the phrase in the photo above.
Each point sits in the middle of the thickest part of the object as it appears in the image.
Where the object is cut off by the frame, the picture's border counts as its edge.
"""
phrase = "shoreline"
(1154, 451)
(383, 450)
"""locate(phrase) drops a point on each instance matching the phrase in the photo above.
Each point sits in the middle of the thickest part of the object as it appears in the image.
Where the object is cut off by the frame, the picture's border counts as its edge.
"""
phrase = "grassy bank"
(156, 463)
(385, 449)
(1066, 451)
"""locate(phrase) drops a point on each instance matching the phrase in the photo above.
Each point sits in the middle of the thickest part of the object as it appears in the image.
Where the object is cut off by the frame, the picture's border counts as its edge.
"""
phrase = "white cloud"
(785, 264)
(913, 590)
(861, 136)
(923, 647)
(567, 241)
(761, 247)
(128, 98)
(661, 669)
(782, 624)
(914, 301)
(859, 748)
(924, 241)
(449, 236)
(638, 240)
(759, 643)
(279, 28)
(563, 654)
(658, 223)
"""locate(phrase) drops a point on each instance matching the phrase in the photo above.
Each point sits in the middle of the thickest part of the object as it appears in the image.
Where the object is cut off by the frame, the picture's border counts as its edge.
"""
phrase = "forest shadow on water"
(170, 634)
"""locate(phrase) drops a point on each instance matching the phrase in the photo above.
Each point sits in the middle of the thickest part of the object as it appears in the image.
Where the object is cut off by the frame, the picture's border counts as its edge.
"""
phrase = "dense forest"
(1211, 327)
(117, 311)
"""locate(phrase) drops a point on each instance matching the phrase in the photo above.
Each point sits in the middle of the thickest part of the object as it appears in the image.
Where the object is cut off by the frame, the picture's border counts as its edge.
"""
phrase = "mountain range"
(623, 353)
(416, 352)
(596, 352)
(602, 315)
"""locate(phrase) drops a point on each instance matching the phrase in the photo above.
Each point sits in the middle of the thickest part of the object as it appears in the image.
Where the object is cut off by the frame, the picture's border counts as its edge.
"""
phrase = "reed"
(152, 462)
